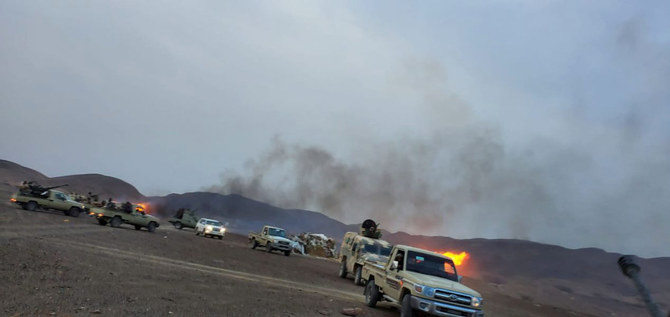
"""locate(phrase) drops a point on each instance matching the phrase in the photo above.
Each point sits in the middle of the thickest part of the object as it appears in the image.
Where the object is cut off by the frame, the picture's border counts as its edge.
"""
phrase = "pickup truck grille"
(283, 242)
(453, 297)
(453, 312)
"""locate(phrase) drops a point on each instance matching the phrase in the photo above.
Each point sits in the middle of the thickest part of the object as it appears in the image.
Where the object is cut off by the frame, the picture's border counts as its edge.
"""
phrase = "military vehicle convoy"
(357, 248)
(420, 281)
(126, 213)
(184, 218)
(271, 238)
(32, 196)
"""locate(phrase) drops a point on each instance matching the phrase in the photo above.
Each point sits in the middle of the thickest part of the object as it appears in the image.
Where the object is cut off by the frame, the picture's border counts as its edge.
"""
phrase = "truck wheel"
(343, 269)
(74, 212)
(31, 206)
(287, 252)
(406, 307)
(178, 225)
(358, 278)
(254, 244)
(268, 248)
(371, 294)
(152, 227)
(138, 227)
(24, 206)
(197, 233)
(116, 222)
(102, 222)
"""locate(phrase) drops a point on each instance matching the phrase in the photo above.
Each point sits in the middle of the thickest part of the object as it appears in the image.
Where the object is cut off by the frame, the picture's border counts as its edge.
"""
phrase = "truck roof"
(409, 248)
(207, 219)
(272, 227)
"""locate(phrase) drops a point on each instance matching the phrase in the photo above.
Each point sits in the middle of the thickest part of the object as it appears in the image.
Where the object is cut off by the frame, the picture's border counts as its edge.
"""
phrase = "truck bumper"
(443, 309)
(279, 246)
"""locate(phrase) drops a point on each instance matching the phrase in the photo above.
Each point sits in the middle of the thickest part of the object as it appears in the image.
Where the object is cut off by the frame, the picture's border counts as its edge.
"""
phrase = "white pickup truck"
(271, 238)
(420, 281)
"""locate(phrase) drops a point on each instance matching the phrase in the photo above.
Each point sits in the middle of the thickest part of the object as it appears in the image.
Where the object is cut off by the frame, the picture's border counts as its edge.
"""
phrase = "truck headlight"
(477, 301)
(425, 290)
(208, 229)
(223, 229)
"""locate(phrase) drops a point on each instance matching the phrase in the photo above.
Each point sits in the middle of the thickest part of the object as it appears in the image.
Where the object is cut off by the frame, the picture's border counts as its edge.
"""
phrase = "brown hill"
(12, 174)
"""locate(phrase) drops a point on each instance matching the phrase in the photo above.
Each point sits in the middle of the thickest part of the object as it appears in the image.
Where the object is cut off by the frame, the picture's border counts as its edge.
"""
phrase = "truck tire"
(197, 233)
(24, 206)
(102, 222)
(406, 307)
(178, 225)
(358, 275)
(74, 212)
(268, 248)
(254, 244)
(115, 222)
(151, 227)
(31, 205)
(287, 252)
(138, 227)
(371, 294)
(343, 269)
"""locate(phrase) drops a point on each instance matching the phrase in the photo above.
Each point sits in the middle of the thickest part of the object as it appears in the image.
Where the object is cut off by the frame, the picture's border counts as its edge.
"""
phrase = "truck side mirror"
(394, 265)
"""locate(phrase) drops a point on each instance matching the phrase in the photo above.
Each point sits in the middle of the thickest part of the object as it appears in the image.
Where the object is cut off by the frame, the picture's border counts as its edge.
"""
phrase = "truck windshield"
(376, 248)
(214, 223)
(431, 265)
(277, 232)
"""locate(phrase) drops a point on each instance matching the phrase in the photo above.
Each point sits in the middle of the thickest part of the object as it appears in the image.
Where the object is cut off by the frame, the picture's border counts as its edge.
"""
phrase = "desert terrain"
(63, 266)
(53, 265)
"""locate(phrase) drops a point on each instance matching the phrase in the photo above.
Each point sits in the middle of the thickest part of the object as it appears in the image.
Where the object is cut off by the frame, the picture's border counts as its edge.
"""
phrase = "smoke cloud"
(604, 184)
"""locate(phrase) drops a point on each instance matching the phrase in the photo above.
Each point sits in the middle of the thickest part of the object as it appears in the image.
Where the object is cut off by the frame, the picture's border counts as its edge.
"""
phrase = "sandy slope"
(52, 264)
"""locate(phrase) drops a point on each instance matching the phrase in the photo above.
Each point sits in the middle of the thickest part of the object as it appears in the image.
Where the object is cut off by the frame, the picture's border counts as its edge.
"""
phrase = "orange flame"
(458, 258)
(142, 207)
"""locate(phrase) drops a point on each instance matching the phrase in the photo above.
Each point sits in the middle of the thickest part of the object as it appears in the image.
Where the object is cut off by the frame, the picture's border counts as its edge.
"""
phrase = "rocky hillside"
(12, 174)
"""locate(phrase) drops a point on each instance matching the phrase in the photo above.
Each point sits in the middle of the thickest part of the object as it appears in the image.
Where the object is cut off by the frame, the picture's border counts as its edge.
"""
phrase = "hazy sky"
(568, 101)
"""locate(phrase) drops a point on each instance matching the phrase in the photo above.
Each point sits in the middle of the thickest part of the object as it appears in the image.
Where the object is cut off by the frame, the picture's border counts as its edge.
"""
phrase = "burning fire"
(458, 258)
(141, 207)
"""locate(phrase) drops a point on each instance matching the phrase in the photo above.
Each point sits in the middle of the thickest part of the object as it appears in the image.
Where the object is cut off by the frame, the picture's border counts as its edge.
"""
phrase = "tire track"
(227, 273)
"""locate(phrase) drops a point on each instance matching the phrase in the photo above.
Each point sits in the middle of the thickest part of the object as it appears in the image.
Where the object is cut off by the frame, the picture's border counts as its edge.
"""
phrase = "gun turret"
(369, 228)
(632, 270)
(53, 187)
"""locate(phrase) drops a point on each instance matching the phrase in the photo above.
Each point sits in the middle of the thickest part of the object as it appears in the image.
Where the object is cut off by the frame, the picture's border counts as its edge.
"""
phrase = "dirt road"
(63, 266)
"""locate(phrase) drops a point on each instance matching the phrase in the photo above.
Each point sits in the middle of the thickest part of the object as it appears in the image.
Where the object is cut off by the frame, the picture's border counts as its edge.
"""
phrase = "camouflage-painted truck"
(359, 247)
(184, 218)
(420, 281)
(127, 213)
(48, 199)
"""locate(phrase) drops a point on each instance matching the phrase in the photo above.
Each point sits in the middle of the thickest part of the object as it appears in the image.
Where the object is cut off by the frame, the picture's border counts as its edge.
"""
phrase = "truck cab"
(420, 281)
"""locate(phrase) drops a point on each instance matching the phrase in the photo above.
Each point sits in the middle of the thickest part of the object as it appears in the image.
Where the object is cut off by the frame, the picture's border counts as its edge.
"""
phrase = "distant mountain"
(12, 174)
(244, 214)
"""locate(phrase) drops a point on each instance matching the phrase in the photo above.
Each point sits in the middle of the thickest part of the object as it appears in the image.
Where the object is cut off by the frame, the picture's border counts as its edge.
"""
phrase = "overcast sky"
(571, 99)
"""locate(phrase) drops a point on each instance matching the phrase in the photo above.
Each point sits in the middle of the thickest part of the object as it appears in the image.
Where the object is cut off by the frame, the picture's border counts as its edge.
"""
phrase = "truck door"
(58, 200)
(393, 279)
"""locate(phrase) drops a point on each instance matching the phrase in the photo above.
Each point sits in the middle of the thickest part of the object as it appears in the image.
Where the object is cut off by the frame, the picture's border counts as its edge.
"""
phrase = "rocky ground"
(63, 266)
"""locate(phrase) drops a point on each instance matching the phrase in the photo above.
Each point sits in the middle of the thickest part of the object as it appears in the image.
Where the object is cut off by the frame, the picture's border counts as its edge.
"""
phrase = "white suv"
(210, 227)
